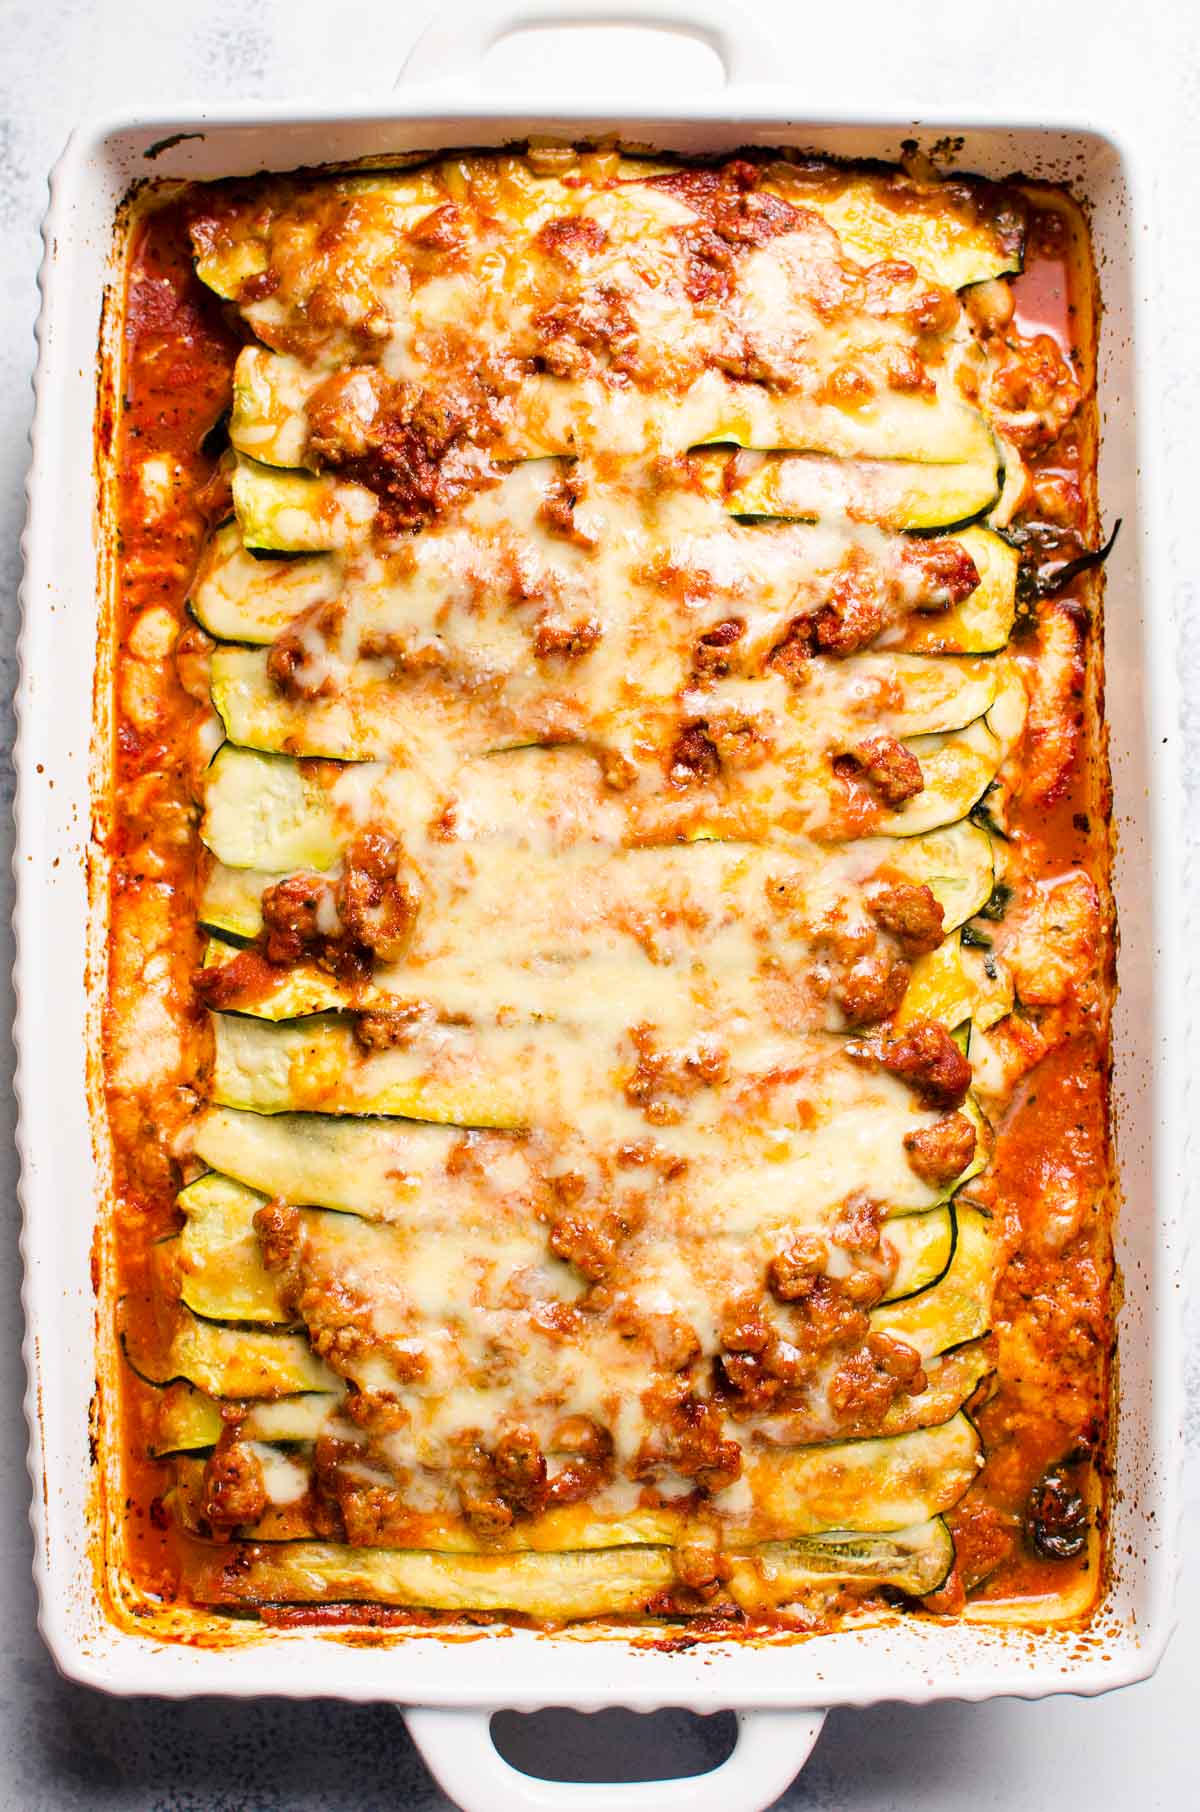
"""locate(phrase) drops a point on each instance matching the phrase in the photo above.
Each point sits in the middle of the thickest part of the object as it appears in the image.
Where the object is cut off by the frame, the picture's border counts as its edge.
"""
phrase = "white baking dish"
(59, 937)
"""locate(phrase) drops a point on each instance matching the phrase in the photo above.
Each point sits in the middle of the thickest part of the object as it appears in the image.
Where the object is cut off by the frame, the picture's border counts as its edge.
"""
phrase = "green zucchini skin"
(348, 1163)
(956, 863)
(227, 1361)
(223, 1277)
(605, 1582)
(371, 720)
(899, 494)
(269, 812)
(551, 417)
(239, 596)
(284, 511)
(891, 1482)
(189, 1421)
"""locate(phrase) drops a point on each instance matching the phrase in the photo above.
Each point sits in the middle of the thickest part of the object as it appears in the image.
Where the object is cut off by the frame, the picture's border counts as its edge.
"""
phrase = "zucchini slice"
(286, 511)
(982, 623)
(976, 235)
(378, 1168)
(269, 420)
(952, 1378)
(955, 983)
(486, 1077)
(582, 987)
(915, 1561)
(952, 862)
(473, 1078)
(242, 597)
(959, 767)
(221, 1265)
(955, 232)
(221, 1273)
(897, 494)
(958, 1307)
(956, 864)
(265, 811)
(237, 597)
(228, 1361)
(884, 1483)
(590, 1583)
(288, 1513)
(804, 1491)
(364, 719)
(270, 812)
(187, 1419)
(924, 1246)
(553, 416)
(297, 512)
(937, 694)
(240, 246)
(938, 988)
(231, 899)
(298, 992)
(991, 984)
(369, 717)
(946, 431)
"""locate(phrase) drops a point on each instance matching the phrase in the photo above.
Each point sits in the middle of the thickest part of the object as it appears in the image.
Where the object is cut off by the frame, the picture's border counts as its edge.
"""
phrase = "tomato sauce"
(178, 355)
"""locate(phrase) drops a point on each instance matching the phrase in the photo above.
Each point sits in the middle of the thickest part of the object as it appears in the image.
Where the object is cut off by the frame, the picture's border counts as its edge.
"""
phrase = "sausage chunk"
(947, 570)
(582, 1242)
(566, 640)
(927, 1059)
(850, 618)
(589, 1460)
(520, 1468)
(711, 654)
(291, 912)
(234, 1490)
(694, 759)
(941, 1152)
(889, 769)
(279, 1231)
(792, 1273)
(292, 670)
(898, 1360)
(852, 615)
(909, 911)
(871, 990)
(376, 906)
(689, 1439)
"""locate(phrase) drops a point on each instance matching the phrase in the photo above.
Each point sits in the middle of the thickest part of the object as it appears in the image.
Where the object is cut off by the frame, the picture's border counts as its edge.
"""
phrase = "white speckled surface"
(63, 1748)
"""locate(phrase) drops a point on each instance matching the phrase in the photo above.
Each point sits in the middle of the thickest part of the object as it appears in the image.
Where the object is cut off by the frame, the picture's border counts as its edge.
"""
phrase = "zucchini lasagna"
(605, 863)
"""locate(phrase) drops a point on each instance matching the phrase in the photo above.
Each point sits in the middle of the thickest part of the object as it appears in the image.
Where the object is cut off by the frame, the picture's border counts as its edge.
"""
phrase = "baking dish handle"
(457, 1747)
(457, 39)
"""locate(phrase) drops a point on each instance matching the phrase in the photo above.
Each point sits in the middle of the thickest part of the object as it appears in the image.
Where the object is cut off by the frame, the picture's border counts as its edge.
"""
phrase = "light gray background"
(63, 1748)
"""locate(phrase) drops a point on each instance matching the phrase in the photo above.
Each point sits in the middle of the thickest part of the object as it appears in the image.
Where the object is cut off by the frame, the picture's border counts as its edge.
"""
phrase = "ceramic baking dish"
(780, 1691)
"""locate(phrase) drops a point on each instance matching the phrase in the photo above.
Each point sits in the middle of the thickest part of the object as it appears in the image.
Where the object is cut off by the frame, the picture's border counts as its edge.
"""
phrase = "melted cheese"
(693, 938)
(631, 348)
